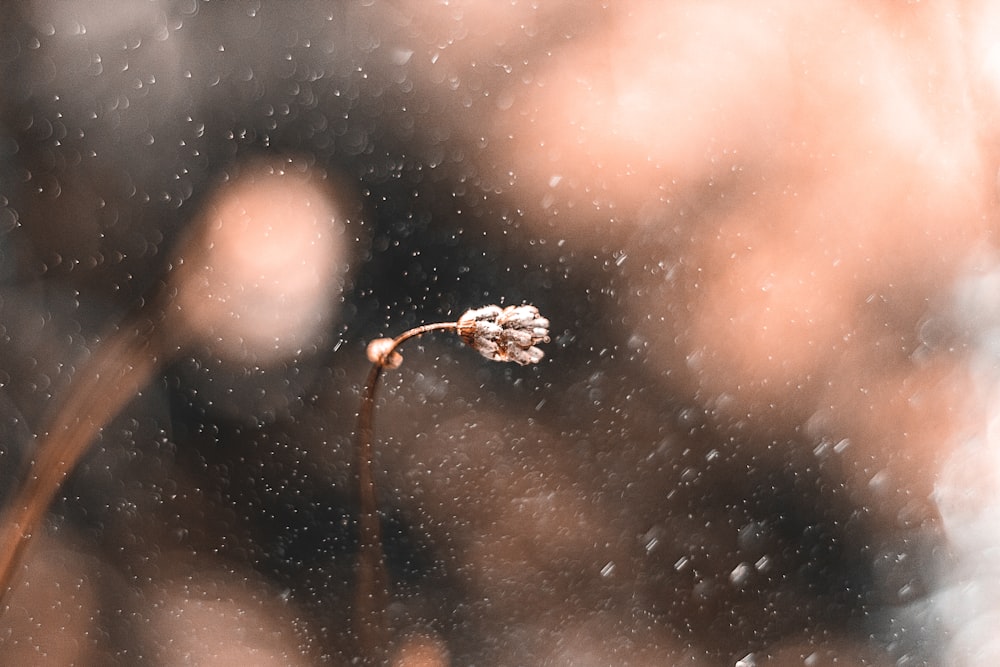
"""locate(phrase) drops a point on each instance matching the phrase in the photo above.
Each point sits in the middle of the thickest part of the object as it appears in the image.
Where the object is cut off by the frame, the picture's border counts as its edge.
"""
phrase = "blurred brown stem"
(119, 368)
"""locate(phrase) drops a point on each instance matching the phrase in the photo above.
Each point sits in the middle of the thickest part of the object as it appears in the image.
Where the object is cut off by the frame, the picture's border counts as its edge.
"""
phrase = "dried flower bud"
(505, 335)
(380, 351)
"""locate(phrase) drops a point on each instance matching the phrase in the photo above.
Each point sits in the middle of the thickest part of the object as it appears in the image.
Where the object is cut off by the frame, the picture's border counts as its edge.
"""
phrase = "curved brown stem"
(119, 368)
(370, 623)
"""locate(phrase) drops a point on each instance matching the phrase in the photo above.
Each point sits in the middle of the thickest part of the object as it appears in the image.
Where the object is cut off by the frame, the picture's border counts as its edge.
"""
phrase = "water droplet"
(740, 574)
(401, 56)
(8, 220)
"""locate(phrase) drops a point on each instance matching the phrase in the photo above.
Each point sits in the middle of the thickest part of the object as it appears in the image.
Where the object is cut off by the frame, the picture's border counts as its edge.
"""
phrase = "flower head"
(507, 334)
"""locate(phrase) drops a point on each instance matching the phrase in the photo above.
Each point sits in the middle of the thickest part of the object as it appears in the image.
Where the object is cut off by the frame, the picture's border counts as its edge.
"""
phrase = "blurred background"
(763, 232)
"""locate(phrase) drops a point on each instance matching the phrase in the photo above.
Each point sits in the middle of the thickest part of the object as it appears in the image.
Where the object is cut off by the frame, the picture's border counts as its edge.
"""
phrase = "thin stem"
(371, 624)
(104, 385)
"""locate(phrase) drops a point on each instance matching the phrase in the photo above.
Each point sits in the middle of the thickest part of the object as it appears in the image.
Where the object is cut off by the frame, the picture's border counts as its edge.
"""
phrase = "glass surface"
(763, 234)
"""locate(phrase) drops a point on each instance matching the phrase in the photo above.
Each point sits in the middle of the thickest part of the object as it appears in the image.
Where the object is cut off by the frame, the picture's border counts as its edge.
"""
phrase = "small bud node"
(381, 351)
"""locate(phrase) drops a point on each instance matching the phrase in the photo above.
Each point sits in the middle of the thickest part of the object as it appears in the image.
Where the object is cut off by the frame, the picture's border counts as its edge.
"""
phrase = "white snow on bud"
(507, 334)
